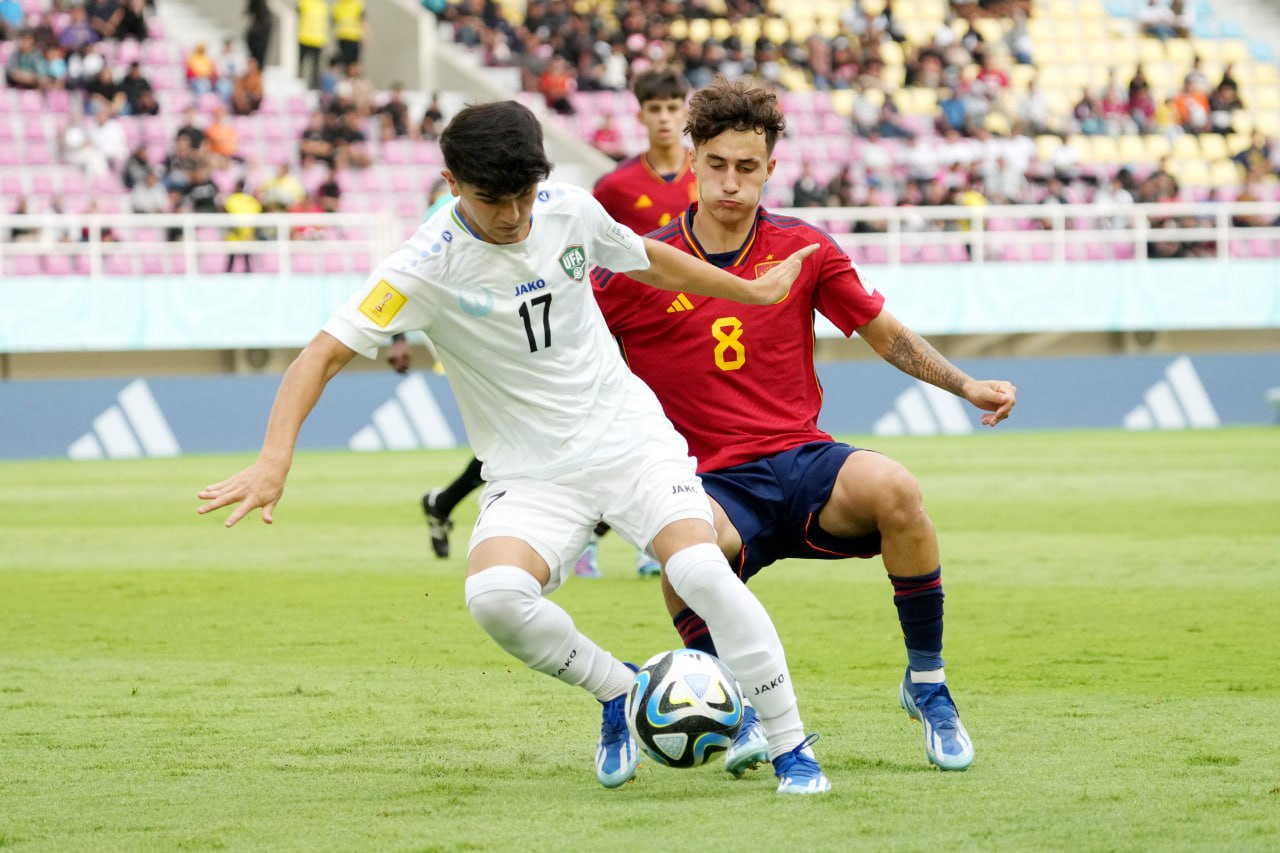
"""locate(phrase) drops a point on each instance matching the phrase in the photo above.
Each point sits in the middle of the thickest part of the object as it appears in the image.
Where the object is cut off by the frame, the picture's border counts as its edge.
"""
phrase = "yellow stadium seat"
(1186, 147)
(776, 30)
(934, 9)
(1151, 50)
(1046, 144)
(1123, 50)
(1131, 149)
(1103, 149)
(1237, 142)
(1234, 50)
(721, 29)
(749, 30)
(1265, 99)
(1224, 173)
(1158, 147)
(1094, 29)
(842, 101)
(1020, 76)
(699, 30)
(829, 28)
(874, 7)
(1264, 73)
(1242, 122)
(1090, 9)
(891, 52)
(1206, 48)
(679, 28)
(803, 27)
(1192, 172)
(1268, 124)
(1213, 147)
(989, 29)
(794, 80)
(1052, 78)
(1179, 50)
(894, 76)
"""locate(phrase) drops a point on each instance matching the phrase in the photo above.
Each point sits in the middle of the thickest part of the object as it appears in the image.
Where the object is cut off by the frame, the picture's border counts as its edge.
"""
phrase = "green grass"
(166, 684)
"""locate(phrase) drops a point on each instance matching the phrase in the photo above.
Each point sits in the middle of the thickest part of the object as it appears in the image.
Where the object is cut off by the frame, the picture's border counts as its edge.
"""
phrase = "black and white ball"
(684, 708)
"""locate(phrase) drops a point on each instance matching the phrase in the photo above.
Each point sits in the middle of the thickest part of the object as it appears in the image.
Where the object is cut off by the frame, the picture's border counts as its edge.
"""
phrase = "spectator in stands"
(190, 129)
(228, 67)
(329, 192)
(56, 71)
(1156, 20)
(1087, 115)
(243, 205)
(75, 148)
(807, 192)
(25, 68)
(1018, 39)
(608, 140)
(1250, 192)
(83, 66)
(841, 188)
(23, 233)
(257, 33)
(350, 29)
(201, 71)
(282, 191)
(313, 38)
(11, 16)
(106, 134)
(349, 143)
(432, 116)
(104, 94)
(315, 144)
(1142, 108)
(393, 115)
(309, 204)
(556, 83)
(103, 233)
(1166, 247)
(181, 164)
(78, 31)
(1183, 18)
(202, 194)
(149, 195)
(223, 139)
(1256, 156)
(137, 167)
(1223, 104)
(357, 91)
(248, 90)
(140, 98)
(1114, 194)
(1034, 111)
(133, 21)
(1191, 107)
(105, 16)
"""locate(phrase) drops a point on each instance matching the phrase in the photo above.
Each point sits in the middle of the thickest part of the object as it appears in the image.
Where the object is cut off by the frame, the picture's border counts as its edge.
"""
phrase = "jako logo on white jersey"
(924, 409)
(1178, 401)
(530, 286)
(408, 421)
(133, 427)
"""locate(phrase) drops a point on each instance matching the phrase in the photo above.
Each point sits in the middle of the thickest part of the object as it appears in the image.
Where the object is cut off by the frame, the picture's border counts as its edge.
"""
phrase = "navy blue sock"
(919, 603)
(693, 631)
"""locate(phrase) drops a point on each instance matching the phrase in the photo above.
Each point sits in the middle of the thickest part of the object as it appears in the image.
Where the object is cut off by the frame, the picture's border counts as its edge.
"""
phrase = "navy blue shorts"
(774, 503)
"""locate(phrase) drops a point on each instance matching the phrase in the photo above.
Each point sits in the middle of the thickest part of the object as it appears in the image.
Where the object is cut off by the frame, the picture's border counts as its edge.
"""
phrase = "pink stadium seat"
(211, 264)
(26, 265)
(304, 263)
(30, 103)
(59, 101)
(1098, 252)
(335, 262)
(59, 265)
(9, 155)
(119, 265)
(153, 265)
(299, 105)
(38, 154)
(1041, 252)
(268, 263)
(395, 152)
(42, 184)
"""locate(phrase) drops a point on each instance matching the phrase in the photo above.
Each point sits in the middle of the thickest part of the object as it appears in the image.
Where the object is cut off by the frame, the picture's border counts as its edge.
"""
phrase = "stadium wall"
(370, 411)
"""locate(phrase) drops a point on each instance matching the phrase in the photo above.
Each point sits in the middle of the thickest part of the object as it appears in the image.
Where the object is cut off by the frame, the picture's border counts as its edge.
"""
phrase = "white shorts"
(638, 494)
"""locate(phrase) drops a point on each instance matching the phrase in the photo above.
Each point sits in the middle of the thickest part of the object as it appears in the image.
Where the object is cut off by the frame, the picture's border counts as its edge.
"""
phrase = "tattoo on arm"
(914, 356)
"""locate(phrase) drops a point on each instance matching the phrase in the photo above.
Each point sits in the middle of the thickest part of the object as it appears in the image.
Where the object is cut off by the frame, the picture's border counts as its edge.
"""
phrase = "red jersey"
(641, 199)
(738, 380)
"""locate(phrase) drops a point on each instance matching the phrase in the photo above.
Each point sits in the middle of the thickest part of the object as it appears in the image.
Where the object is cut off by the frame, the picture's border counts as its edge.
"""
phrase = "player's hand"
(774, 285)
(259, 485)
(994, 396)
(400, 356)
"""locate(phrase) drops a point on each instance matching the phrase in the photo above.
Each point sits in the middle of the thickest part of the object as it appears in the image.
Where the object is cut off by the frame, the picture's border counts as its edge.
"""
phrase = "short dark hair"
(738, 105)
(659, 84)
(496, 148)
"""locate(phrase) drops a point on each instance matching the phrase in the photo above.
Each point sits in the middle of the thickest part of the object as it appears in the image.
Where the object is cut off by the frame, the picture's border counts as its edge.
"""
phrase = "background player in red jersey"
(780, 486)
(644, 193)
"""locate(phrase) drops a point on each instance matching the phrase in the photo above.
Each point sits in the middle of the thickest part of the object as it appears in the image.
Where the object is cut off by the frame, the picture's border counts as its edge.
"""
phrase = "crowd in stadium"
(979, 148)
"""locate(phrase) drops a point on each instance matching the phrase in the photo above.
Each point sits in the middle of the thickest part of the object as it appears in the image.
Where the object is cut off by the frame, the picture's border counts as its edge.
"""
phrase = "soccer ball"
(684, 708)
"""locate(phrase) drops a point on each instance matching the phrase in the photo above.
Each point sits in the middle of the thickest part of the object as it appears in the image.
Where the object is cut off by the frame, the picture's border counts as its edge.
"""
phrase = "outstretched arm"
(672, 269)
(262, 483)
(913, 355)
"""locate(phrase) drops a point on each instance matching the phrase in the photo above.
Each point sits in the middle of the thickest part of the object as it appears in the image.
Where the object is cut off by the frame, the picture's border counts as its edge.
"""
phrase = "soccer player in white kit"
(498, 281)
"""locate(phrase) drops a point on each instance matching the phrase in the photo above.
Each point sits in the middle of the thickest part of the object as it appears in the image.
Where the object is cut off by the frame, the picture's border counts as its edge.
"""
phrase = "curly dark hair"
(734, 105)
(496, 148)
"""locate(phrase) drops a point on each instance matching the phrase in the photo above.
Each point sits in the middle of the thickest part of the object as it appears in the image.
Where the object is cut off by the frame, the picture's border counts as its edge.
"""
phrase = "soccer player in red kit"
(648, 191)
(780, 486)
(645, 193)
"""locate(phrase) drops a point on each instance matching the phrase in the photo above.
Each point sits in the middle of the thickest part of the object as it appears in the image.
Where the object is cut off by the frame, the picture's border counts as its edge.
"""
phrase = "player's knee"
(502, 600)
(897, 497)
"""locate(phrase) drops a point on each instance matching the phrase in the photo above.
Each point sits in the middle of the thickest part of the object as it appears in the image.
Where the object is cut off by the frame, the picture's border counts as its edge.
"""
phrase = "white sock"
(744, 636)
(508, 604)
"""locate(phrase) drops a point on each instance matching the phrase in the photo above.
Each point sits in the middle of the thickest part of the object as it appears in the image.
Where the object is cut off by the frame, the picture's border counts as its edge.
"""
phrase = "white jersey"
(538, 378)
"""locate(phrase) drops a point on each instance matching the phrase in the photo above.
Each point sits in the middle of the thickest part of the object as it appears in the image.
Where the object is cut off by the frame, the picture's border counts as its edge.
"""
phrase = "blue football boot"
(946, 742)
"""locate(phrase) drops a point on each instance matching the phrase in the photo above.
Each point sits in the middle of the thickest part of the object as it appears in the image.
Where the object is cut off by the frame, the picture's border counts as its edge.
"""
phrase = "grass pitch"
(166, 684)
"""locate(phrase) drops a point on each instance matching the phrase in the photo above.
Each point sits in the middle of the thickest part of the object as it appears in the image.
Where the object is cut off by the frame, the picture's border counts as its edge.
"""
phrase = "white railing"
(1048, 233)
(91, 241)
